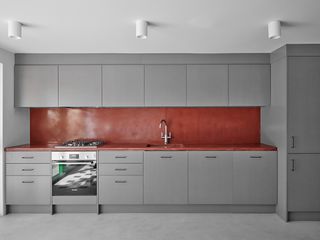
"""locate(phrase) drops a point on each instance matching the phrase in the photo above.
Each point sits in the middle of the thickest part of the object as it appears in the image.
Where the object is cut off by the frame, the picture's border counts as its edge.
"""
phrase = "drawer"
(255, 155)
(116, 169)
(28, 190)
(28, 157)
(120, 157)
(28, 169)
(120, 189)
(210, 155)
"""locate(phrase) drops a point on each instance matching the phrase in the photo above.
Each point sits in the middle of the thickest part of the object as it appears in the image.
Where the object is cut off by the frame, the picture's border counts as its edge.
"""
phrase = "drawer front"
(210, 155)
(255, 155)
(28, 190)
(120, 157)
(120, 169)
(28, 157)
(28, 169)
(120, 189)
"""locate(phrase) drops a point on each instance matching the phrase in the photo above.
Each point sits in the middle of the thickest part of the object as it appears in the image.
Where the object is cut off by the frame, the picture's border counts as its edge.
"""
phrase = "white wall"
(15, 121)
(274, 127)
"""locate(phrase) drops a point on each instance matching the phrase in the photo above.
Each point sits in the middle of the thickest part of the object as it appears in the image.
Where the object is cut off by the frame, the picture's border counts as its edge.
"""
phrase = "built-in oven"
(74, 173)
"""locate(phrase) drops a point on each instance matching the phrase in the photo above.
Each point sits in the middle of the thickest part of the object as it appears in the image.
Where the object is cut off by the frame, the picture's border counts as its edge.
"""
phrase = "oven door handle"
(74, 163)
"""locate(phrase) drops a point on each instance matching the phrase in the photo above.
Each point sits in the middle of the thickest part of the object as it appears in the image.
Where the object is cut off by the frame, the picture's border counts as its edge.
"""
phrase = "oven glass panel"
(74, 179)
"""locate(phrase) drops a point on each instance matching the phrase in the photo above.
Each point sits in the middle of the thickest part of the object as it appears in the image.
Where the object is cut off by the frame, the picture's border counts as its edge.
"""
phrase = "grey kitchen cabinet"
(28, 157)
(165, 85)
(123, 85)
(29, 169)
(80, 86)
(303, 182)
(210, 177)
(207, 85)
(255, 177)
(249, 85)
(120, 169)
(120, 189)
(303, 105)
(165, 177)
(120, 157)
(36, 86)
(28, 190)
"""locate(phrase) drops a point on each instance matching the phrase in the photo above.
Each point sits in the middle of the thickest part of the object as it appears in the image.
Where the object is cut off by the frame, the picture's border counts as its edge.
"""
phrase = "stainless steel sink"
(174, 145)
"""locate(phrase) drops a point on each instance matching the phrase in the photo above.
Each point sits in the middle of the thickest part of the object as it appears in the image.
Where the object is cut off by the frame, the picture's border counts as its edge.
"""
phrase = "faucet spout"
(165, 135)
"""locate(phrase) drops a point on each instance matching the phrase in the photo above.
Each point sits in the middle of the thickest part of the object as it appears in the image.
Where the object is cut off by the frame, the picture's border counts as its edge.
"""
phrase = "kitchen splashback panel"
(141, 125)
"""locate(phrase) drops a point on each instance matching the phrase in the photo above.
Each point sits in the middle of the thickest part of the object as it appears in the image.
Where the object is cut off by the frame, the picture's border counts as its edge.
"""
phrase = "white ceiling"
(177, 26)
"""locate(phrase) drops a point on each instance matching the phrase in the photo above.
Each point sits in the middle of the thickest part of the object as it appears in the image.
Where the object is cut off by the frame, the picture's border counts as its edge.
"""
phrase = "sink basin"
(176, 145)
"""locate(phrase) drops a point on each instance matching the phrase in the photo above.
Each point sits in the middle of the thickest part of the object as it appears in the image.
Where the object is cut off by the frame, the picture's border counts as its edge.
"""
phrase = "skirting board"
(304, 216)
(29, 209)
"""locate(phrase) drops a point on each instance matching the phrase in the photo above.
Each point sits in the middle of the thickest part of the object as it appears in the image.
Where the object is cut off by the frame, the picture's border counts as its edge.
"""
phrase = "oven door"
(74, 178)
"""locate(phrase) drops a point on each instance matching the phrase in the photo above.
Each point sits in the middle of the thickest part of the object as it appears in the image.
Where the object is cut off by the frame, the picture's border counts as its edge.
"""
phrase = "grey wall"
(274, 125)
(15, 121)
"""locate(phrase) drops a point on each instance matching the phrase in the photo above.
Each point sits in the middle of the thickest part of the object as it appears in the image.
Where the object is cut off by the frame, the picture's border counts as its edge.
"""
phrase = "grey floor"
(148, 226)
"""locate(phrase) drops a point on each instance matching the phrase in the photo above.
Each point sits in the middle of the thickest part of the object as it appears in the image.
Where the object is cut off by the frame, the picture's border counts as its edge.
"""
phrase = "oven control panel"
(73, 156)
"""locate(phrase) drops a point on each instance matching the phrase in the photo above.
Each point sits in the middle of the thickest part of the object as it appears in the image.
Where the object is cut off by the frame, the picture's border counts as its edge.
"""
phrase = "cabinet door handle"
(120, 169)
(293, 167)
(293, 142)
(28, 157)
(255, 156)
(120, 181)
(166, 157)
(120, 156)
(27, 181)
(210, 156)
(27, 169)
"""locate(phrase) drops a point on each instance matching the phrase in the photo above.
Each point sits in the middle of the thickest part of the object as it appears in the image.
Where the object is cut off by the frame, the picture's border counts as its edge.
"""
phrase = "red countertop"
(144, 147)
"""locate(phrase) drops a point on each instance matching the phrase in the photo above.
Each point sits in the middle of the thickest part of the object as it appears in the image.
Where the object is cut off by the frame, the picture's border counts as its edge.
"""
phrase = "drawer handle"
(120, 181)
(120, 156)
(120, 169)
(166, 157)
(27, 181)
(255, 156)
(293, 167)
(28, 157)
(293, 145)
(27, 169)
(210, 156)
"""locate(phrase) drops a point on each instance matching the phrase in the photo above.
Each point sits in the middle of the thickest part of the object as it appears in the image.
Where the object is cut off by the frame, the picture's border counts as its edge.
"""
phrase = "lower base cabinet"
(28, 190)
(165, 177)
(255, 177)
(210, 177)
(120, 190)
(304, 182)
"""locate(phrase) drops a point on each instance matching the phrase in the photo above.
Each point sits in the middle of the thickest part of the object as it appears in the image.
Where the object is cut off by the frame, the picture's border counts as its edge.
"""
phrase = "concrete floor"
(148, 226)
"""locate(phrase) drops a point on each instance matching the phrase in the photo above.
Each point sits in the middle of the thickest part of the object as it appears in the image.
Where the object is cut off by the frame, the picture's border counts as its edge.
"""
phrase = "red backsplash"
(141, 125)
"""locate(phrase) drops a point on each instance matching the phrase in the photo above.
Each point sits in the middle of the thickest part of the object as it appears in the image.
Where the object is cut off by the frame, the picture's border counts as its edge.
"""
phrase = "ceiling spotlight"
(274, 29)
(141, 29)
(14, 29)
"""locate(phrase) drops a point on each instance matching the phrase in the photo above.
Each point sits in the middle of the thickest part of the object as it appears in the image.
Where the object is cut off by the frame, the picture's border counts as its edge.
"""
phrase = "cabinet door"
(304, 182)
(255, 177)
(120, 190)
(28, 190)
(210, 177)
(123, 85)
(79, 85)
(36, 86)
(165, 85)
(249, 85)
(303, 104)
(165, 177)
(207, 85)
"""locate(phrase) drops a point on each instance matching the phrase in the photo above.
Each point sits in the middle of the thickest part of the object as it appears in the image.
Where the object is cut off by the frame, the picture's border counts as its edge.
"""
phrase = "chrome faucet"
(165, 136)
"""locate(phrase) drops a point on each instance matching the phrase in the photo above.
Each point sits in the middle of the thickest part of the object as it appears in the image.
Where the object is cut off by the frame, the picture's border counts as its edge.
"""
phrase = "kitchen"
(104, 130)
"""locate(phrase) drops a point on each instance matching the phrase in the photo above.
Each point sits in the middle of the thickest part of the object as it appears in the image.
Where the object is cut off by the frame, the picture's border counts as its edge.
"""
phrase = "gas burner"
(80, 143)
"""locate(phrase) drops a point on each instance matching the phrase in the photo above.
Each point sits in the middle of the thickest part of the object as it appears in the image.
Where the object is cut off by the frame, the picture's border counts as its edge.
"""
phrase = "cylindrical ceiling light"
(274, 29)
(141, 29)
(14, 29)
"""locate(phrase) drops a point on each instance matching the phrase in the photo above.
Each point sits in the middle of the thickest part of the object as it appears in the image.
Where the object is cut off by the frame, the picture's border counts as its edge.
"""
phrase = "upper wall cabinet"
(207, 85)
(249, 85)
(165, 85)
(80, 85)
(123, 85)
(36, 86)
